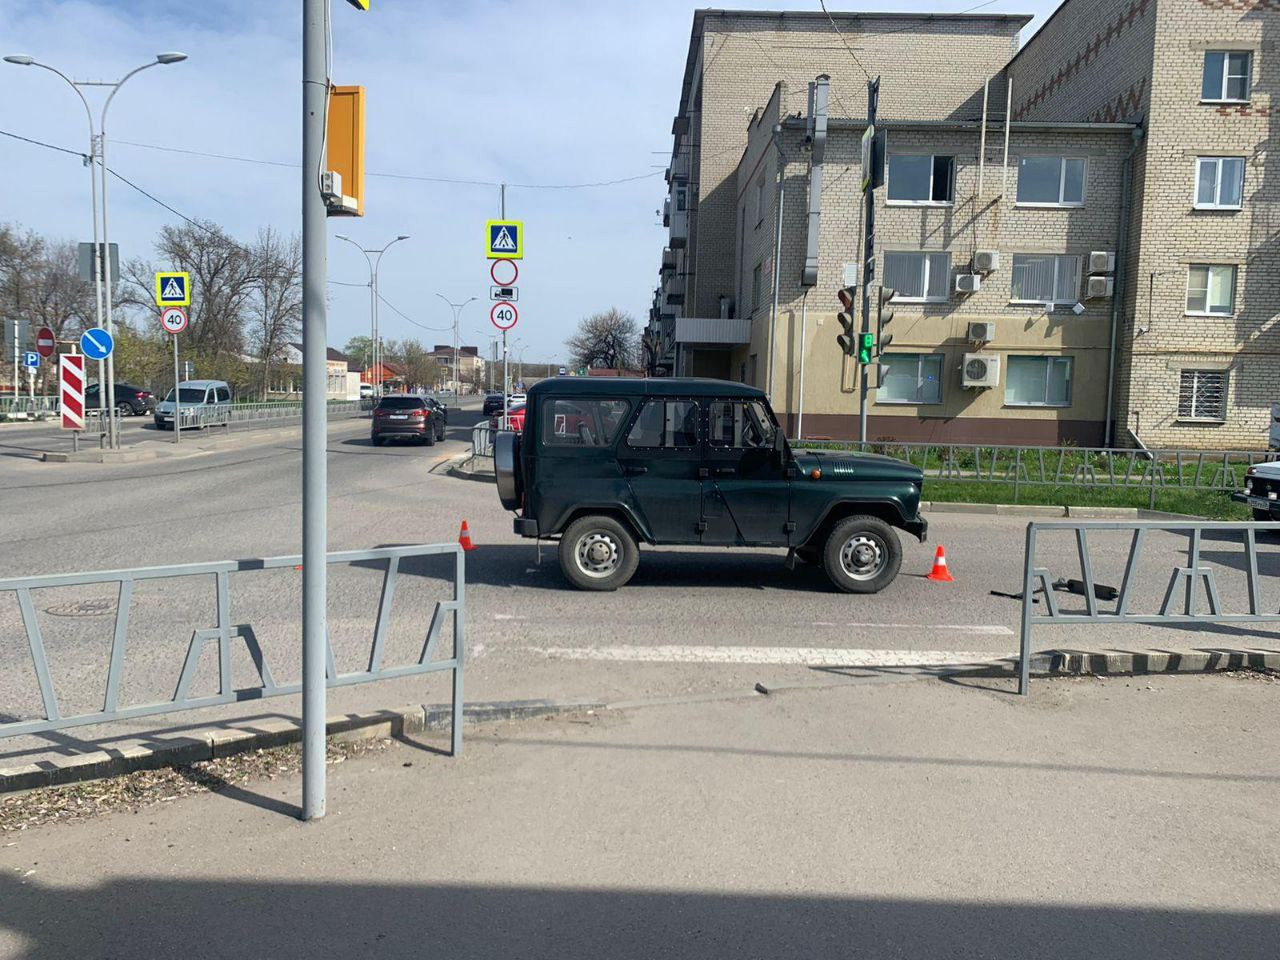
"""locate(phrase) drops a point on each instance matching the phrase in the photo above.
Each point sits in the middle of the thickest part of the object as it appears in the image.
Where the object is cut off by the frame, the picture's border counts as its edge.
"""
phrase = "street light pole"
(101, 249)
(457, 310)
(375, 345)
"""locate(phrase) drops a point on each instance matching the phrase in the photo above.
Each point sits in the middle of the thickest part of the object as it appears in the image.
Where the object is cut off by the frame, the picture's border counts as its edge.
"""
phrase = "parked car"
(515, 419)
(203, 403)
(516, 398)
(1261, 491)
(366, 391)
(492, 404)
(400, 415)
(441, 413)
(606, 464)
(131, 401)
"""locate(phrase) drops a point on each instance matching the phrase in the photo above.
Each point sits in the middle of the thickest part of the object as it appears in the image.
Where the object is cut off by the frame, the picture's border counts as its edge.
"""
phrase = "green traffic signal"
(866, 347)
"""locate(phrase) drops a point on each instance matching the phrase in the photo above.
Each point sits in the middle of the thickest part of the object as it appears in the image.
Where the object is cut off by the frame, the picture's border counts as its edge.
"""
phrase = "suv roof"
(643, 387)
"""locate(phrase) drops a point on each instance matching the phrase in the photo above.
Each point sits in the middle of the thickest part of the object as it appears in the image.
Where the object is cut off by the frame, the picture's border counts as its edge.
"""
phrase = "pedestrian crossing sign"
(504, 239)
(173, 289)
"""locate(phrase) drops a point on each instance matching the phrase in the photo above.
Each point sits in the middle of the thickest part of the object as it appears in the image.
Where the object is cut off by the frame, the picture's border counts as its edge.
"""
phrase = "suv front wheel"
(862, 555)
(598, 553)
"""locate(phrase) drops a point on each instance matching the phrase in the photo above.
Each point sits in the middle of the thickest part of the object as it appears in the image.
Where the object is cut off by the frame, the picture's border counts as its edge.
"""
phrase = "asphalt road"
(692, 621)
(1100, 819)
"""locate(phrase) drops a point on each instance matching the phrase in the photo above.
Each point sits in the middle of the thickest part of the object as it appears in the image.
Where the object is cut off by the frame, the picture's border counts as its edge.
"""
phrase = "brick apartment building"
(1091, 217)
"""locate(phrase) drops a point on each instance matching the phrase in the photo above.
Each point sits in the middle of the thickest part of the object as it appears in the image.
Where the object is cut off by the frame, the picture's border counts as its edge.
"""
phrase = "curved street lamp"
(457, 309)
(375, 345)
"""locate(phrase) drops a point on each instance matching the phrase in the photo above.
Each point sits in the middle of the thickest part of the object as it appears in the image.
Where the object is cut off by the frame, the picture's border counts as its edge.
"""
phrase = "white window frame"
(757, 285)
(1062, 159)
(920, 359)
(1226, 66)
(1235, 279)
(921, 203)
(1217, 189)
(680, 202)
(1057, 265)
(1050, 360)
(1195, 417)
(925, 256)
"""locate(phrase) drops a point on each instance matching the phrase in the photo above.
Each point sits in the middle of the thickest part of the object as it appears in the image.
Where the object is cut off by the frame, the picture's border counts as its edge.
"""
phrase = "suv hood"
(857, 466)
(1269, 470)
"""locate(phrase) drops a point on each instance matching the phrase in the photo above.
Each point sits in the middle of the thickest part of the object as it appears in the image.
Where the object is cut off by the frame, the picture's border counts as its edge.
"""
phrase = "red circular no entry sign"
(45, 342)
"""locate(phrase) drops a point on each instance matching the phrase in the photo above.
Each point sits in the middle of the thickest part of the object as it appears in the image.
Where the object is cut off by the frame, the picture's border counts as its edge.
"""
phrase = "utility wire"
(403, 316)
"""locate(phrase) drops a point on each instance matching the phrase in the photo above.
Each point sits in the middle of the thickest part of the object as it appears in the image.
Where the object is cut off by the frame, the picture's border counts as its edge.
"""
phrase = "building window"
(1045, 278)
(921, 179)
(1219, 183)
(910, 378)
(1051, 181)
(1211, 289)
(1038, 382)
(922, 277)
(759, 202)
(682, 197)
(757, 285)
(1202, 395)
(1226, 76)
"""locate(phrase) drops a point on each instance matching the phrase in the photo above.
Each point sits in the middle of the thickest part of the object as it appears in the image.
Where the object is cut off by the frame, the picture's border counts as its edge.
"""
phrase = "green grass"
(1210, 505)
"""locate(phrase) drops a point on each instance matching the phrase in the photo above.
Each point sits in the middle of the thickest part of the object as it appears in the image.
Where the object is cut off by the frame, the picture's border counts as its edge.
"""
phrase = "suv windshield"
(401, 403)
(189, 394)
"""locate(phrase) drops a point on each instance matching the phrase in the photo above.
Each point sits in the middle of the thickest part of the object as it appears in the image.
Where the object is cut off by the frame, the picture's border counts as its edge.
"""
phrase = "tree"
(359, 350)
(275, 319)
(608, 339)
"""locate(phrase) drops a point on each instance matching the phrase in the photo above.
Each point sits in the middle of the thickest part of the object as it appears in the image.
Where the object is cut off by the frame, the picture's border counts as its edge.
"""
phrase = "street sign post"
(173, 319)
(504, 315)
(31, 360)
(45, 342)
(93, 272)
(71, 391)
(173, 289)
(504, 239)
(96, 343)
(508, 293)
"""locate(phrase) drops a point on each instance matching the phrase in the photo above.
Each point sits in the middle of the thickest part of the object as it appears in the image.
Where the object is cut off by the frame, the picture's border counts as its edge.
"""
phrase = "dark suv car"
(492, 404)
(131, 401)
(405, 415)
(604, 464)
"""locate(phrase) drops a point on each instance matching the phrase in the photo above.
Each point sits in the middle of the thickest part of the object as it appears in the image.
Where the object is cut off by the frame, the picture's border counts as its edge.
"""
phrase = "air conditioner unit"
(1100, 261)
(981, 332)
(1099, 287)
(968, 283)
(980, 370)
(985, 261)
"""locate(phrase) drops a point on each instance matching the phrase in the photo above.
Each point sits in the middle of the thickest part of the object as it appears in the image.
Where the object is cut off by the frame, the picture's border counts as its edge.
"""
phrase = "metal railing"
(27, 408)
(1182, 595)
(223, 632)
(1132, 469)
(482, 440)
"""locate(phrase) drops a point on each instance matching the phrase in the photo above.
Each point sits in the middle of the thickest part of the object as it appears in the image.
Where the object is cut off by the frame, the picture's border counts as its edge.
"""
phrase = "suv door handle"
(634, 470)
(724, 471)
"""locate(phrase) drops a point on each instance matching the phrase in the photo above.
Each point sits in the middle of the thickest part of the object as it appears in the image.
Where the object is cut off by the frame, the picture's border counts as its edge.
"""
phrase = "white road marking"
(508, 616)
(982, 629)
(801, 656)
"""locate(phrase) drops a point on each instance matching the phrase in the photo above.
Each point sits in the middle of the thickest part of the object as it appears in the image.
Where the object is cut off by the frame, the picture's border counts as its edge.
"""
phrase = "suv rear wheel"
(862, 555)
(598, 553)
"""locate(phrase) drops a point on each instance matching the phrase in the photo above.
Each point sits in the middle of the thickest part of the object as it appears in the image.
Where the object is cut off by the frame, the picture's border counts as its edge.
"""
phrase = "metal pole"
(101, 258)
(108, 392)
(177, 394)
(373, 327)
(315, 92)
(1028, 601)
(506, 391)
(868, 264)
(16, 381)
(804, 317)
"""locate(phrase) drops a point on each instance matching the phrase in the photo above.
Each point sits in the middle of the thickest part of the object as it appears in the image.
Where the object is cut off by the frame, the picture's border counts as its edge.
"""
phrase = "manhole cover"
(83, 608)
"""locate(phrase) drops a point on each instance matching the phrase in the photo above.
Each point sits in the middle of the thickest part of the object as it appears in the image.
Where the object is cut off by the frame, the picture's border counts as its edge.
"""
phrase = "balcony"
(712, 330)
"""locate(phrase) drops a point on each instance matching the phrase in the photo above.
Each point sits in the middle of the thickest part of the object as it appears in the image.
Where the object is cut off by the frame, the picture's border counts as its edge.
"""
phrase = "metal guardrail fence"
(1145, 470)
(224, 631)
(1182, 595)
(482, 440)
(27, 407)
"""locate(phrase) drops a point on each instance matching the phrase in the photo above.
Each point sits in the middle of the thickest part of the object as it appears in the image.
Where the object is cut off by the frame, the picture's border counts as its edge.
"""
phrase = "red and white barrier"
(71, 390)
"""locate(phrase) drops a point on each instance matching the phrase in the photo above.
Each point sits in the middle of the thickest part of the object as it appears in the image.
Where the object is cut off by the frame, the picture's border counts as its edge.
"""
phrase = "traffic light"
(866, 347)
(883, 316)
(847, 338)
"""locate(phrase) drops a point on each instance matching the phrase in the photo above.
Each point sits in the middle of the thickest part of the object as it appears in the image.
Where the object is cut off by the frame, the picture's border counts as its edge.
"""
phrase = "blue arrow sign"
(31, 359)
(96, 343)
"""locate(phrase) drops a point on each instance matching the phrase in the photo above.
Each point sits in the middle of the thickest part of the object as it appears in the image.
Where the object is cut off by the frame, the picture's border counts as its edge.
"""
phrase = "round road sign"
(504, 272)
(45, 342)
(96, 343)
(504, 315)
(173, 319)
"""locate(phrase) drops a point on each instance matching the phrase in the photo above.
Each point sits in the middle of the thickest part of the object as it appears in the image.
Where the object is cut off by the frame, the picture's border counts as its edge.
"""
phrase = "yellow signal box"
(345, 150)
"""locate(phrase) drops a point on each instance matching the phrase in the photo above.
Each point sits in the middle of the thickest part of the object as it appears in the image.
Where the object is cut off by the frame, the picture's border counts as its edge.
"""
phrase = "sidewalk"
(1119, 818)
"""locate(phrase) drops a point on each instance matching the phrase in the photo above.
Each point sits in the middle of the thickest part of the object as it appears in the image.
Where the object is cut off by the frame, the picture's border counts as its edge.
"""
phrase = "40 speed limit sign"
(504, 315)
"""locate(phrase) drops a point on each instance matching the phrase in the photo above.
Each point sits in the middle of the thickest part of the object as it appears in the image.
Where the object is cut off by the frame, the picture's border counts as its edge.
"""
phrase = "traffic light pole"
(868, 259)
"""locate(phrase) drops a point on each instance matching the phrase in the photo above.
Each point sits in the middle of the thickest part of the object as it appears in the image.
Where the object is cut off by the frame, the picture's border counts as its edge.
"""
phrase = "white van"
(204, 403)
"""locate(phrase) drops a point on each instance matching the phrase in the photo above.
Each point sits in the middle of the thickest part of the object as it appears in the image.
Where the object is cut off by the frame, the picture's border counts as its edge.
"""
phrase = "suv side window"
(582, 423)
(665, 424)
(224, 395)
(739, 425)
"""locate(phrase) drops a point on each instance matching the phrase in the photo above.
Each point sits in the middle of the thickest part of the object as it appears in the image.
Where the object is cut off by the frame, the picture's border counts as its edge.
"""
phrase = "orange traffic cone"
(940, 571)
(464, 538)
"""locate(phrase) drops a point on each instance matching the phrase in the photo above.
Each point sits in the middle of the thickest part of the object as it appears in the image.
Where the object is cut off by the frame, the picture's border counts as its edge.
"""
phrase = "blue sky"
(537, 93)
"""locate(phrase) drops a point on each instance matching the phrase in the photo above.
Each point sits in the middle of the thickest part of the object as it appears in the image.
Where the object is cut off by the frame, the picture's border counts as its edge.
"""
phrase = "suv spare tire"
(506, 468)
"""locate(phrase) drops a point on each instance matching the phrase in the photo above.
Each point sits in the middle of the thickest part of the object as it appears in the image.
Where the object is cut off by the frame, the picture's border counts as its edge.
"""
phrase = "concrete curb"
(273, 732)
